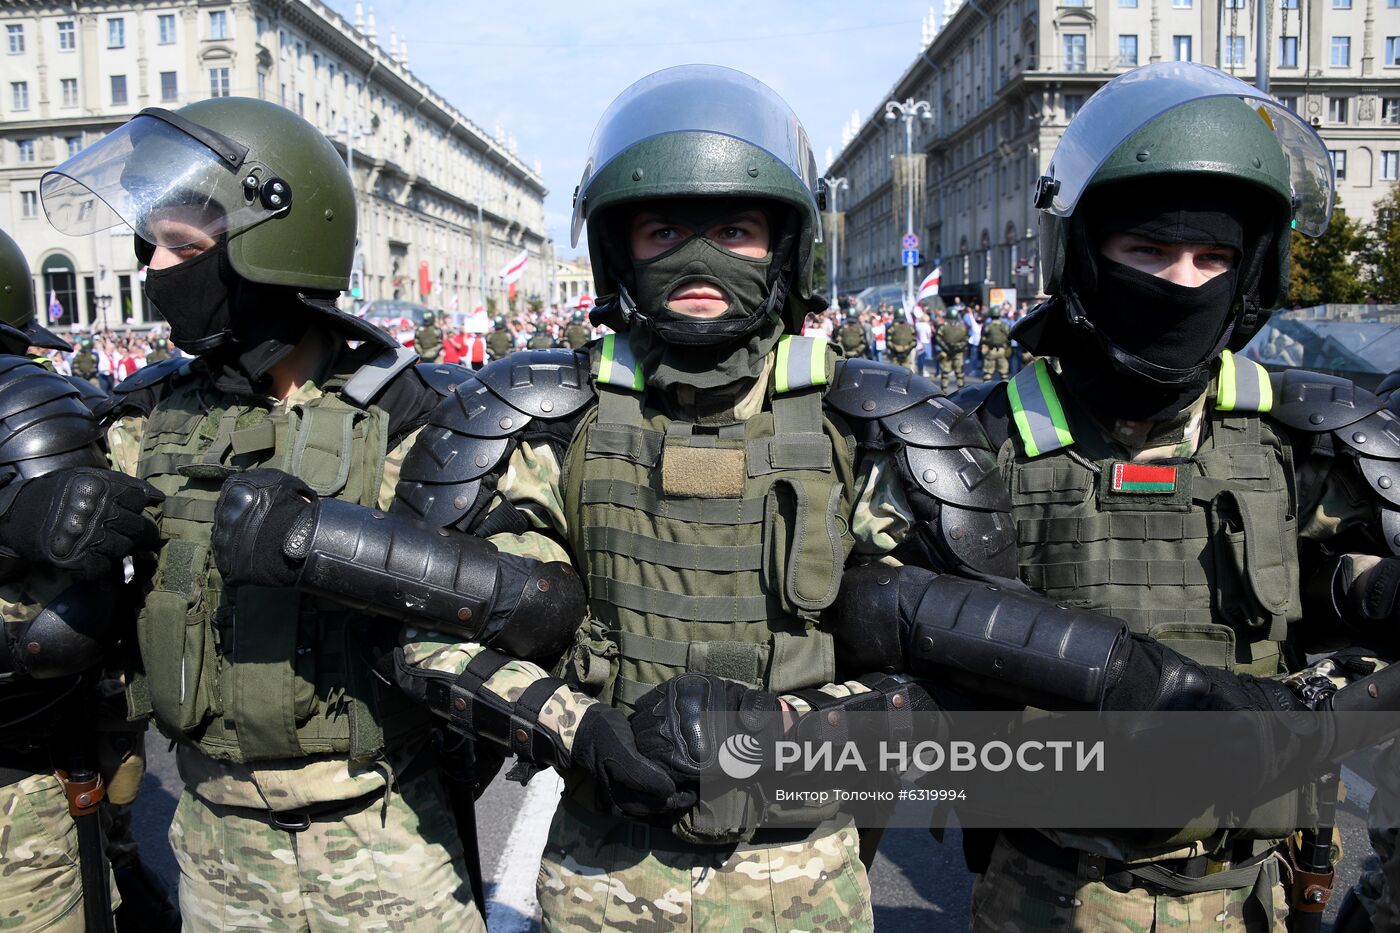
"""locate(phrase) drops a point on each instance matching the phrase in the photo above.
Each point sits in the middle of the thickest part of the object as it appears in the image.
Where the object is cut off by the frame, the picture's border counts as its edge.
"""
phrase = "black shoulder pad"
(547, 383)
(471, 432)
(1390, 526)
(862, 389)
(1377, 435)
(962, 476)
(139, 392)
(44, 425)
(444, 377)
(1389, 384)
(935, 422)
(1383, 476)
(1316, 402)
(93, 397)
(981, 541)
(973, 397)
(147, 376)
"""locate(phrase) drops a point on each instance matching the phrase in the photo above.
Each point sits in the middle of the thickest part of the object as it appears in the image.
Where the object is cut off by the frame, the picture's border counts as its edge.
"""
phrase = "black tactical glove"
(83, 520)
(260, 521)
(682, 723)
(627, 780)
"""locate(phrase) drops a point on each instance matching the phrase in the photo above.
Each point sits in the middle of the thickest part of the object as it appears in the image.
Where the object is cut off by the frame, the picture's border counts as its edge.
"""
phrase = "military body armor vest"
(254, 673)
(852, 339)
(1198, 552)
(995, 333)
(952, 336)
(901, 338)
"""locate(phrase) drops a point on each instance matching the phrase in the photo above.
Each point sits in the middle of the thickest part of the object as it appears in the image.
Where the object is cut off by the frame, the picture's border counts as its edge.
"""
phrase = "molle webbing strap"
(643, 599)
(1036, 410)
(1243, 385)
(617, 366)
(801, 364)
(703, 511)
(713, 557)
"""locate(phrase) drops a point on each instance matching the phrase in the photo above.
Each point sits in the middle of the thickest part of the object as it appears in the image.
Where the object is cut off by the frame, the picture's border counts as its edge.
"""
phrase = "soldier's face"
(176, 225)
(743, 230)
(1187, 264)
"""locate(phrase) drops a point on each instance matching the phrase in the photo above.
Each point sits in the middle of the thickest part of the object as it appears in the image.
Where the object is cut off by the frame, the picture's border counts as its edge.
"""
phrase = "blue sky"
(546, 69)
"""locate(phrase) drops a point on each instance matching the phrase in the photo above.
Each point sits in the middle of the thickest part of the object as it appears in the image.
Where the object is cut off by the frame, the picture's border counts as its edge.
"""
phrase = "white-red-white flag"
(513, 270)
(928, 288)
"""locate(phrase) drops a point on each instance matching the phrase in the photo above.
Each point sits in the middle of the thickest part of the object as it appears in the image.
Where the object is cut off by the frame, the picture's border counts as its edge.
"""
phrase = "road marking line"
(512, 906)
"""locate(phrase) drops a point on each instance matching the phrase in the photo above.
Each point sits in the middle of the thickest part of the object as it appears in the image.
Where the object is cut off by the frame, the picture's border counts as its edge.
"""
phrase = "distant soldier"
(85, 362)
(996, 346)
(902, 342)
(578, 332)
(160, 352)
(427, 339)
(851, 337)
(952, 349)
(541, 340)
(500, 342)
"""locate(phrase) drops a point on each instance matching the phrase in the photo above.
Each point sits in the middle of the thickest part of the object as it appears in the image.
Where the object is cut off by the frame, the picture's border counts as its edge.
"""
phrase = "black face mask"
(193, 297)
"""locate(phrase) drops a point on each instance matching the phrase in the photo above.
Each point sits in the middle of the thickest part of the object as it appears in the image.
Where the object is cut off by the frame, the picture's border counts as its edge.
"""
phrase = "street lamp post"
(834, 185)
(908, 111)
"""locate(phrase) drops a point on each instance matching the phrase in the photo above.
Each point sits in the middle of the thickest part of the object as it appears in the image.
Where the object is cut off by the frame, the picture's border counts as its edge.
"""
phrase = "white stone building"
(432, 186)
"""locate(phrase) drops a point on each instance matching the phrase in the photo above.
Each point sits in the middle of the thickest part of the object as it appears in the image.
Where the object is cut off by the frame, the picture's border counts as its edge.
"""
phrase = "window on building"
(67, 36)
(1290, 102)
(1390, 164)
(1288, 51)
(118, 89)
(1233, 49)
(1076, 50)
(1392, 50)
(1181, 4)
(1339, 163)
(1127, 50)
(26, 149)
(262, 85)
(218, 82)
(15, 33)
(1288, 4)
(1341, 4)
(169, 86)
(301, 103)
(166, 24)
(218, 24)
(19, 95)
(74, 144)
(69, 89)
(116, 33)
(1390, 109)
(1337, 109)
(1128, 4)
(1072, 104)
(1181, 48)
(1341, 51)
(29, 204)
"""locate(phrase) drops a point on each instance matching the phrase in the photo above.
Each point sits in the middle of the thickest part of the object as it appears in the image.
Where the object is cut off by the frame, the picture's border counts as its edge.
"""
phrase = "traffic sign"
(910, 257)
(910, 241)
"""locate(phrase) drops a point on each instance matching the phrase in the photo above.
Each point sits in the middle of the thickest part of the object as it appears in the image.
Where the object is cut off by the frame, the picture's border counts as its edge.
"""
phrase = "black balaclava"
(1153, 342)
(239, 329)
(678, 350)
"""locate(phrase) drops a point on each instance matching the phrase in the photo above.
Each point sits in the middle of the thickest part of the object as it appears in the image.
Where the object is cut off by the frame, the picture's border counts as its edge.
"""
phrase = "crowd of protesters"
(105, 358)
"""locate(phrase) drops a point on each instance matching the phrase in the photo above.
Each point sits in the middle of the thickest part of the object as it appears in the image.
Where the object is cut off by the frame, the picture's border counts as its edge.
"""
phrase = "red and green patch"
(1143, 478)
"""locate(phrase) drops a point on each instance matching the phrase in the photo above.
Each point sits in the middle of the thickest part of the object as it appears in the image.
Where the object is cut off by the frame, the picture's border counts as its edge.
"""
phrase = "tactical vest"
(852, 338)
(996, 334)
(953, 337)
(540, 342)
(901, 338)
(576, 335)
(1198, 552)
(500, 343)
(253, 673)
(710, 548)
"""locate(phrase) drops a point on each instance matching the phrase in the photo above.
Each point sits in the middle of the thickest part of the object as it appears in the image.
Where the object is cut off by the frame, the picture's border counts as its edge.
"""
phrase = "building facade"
(443, 205)
(1005, 77)
(573, 278)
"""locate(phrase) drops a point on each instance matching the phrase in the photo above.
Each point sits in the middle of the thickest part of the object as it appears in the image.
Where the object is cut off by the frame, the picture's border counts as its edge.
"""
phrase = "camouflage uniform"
(952, 348)
(576, 335)
(84, 366)
(427, 340)
(500, 342)
(902, 345)
(996, 349)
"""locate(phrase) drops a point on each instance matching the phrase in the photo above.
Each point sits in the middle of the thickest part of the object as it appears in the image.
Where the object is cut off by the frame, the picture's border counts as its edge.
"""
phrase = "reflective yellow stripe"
(818, 361)
(1018, 415)
(780, 377)
(1225, 383)
(1038, 415)
(614, 372)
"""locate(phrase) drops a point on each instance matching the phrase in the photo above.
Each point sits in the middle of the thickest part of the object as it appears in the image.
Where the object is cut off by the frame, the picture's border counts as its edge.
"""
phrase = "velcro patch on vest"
(1143, 479)
(703, 472)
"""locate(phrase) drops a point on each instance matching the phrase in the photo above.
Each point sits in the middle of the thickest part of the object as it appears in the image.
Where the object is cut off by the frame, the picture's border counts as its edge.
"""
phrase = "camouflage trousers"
(950, 365)
(909, 359)
(395, 865)
(1018, 894)
(996, 361)
(1379, 889)
(40, 885)
(605, 874)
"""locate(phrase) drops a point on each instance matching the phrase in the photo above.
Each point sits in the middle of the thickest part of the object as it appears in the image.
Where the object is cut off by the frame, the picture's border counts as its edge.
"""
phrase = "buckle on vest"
(290, 821)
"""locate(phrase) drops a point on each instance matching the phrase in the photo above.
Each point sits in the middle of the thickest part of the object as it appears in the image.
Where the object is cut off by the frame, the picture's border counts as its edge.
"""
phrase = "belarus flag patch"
(1143, 478)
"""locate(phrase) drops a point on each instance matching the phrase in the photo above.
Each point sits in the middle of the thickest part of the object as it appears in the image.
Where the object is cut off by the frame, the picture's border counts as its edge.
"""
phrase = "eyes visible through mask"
(741, 229)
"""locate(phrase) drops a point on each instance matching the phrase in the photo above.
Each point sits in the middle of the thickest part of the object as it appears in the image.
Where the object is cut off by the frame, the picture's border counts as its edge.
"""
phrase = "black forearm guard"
(989, 639)
(436, 578)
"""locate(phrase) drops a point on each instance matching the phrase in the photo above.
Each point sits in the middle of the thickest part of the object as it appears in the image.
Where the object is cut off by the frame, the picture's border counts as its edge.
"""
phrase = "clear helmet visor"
(1132, 100)
(168, 186)
(698, 99)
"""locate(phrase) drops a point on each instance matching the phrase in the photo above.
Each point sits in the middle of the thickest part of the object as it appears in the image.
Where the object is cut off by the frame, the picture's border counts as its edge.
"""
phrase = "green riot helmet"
(542, 328)
(500, 323)
(254, 176)
(19, 328)
(694, 132)
(578, 317)
(899, 315)
(1214, 153)
(428, 319)
(852, 316)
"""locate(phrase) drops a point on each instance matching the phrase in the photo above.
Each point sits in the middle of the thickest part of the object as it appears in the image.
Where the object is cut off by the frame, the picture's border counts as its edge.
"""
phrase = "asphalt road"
(919, 885)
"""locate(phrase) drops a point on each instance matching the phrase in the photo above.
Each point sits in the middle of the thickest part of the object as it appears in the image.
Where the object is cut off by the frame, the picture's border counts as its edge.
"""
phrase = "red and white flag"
(928, 288)
(513, 270)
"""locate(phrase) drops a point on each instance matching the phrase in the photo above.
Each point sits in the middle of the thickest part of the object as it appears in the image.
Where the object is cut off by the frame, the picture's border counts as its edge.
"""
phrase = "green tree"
(1325, 270)
(1380, 252)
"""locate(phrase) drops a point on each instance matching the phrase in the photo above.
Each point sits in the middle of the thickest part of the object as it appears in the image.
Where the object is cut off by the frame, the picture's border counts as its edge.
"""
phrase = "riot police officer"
(500, 342)
(578, 332)
(298, 761)
(1194, 495)
(902, 342)
(951, 337)
(851, 337)
(159, 353)
(996, 346)
(66, 524)
(541, 340)
(427, 338)
(84, 364)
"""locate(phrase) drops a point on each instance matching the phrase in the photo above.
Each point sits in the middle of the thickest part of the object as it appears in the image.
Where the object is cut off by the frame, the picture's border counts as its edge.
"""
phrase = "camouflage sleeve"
(393, 464)
(882, 516)
(1333, 499)
(124, 443)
